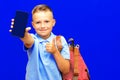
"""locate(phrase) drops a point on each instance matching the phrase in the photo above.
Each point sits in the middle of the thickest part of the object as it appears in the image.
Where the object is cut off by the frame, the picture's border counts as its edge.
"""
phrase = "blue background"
(94, 24)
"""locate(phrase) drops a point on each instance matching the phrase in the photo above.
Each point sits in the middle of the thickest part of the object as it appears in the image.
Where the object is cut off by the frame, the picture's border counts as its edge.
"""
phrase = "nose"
(43, 25)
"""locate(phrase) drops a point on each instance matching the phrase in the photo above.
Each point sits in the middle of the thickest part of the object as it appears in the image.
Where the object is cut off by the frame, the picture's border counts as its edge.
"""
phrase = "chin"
(43, 35)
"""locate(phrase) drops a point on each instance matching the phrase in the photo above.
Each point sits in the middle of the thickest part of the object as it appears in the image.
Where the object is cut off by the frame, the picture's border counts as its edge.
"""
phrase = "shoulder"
(62, 39)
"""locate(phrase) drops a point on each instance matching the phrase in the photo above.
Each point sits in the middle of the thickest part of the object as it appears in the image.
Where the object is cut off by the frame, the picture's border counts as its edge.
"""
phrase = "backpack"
(78, 68)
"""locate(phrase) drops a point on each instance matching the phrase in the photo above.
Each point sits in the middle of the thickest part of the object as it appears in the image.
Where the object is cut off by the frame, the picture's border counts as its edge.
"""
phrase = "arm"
(63, 64)
(27, 39)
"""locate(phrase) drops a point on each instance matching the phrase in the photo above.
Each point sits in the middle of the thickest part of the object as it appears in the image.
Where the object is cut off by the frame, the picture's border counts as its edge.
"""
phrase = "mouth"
(43, 30)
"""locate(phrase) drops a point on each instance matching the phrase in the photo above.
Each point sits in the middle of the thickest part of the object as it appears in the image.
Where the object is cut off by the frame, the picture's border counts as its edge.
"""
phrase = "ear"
(54, 21)
(32, 24)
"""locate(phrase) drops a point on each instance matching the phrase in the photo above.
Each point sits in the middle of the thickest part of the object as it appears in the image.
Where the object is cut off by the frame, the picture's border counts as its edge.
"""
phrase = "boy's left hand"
(51, 47)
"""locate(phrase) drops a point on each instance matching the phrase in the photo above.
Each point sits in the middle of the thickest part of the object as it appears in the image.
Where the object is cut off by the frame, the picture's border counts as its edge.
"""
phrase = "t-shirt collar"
(45, 40)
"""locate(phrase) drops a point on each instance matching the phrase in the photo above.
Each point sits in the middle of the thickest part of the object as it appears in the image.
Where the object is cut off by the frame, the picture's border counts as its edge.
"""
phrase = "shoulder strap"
(76, 60)
(59, 43)
(75, 49)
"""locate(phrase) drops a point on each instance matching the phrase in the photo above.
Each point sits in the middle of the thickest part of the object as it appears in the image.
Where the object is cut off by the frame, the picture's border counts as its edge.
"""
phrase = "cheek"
(36, 27)
(50, 27)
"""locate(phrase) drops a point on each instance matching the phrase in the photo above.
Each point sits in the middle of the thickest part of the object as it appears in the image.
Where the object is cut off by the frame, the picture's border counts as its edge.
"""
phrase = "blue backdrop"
(94, 24)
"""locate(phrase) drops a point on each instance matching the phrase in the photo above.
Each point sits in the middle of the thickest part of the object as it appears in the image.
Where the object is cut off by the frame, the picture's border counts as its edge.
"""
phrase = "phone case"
(20, 23)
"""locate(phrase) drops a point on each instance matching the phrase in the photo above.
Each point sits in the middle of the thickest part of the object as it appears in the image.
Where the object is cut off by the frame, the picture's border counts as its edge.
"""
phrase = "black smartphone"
(20, 23)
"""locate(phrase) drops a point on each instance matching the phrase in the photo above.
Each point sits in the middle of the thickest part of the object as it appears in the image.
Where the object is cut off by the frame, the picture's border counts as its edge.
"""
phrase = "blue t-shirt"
(41, 64)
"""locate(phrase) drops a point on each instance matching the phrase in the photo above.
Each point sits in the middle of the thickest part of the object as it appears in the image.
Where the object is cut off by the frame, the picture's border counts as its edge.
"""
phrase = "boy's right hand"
(27, 39)
(26, 30)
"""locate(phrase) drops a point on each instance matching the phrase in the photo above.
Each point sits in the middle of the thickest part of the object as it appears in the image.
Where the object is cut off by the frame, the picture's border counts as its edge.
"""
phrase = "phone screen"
(20, 23)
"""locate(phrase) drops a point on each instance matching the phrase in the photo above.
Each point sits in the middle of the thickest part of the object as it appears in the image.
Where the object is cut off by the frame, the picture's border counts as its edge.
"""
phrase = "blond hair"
(41, 7)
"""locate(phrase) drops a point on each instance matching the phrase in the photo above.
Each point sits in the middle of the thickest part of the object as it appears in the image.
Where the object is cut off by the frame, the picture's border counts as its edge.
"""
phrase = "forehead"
(43, 12)
(43, 15)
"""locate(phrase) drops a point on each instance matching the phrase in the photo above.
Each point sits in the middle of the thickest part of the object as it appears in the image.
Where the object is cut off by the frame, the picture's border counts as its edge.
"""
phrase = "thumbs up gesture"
(51, 47)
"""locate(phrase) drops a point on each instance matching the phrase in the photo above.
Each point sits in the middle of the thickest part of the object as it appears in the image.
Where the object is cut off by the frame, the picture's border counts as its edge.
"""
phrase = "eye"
(47, 21)
(38, 22)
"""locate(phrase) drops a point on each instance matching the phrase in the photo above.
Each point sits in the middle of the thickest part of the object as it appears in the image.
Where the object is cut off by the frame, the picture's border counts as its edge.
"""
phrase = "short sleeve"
(65, 51)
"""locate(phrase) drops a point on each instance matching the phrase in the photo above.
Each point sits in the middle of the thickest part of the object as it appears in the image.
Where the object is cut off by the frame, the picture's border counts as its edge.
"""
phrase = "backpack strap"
(76, 60)
(75, 49)
(59, 42)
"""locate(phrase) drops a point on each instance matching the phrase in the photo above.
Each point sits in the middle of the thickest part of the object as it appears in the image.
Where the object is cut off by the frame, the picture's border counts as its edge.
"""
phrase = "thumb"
(28, 29)
(53, 41)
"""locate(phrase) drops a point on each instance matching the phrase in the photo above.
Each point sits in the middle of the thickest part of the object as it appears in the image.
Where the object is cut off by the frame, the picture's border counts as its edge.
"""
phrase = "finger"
(10, 30)
(12, 23)
(53, 41)
(11, 26)
(28, 29)
(12, 20)
(47, 43)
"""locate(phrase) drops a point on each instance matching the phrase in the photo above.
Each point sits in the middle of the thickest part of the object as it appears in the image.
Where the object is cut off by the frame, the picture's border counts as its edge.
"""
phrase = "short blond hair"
(41, 7)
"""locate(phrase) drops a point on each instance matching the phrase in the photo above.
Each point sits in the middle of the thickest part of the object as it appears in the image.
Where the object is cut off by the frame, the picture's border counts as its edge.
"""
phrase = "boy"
(45, 62)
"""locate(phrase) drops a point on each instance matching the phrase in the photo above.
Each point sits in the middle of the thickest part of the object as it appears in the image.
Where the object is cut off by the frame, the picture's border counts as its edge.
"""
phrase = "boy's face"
(43, 23)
